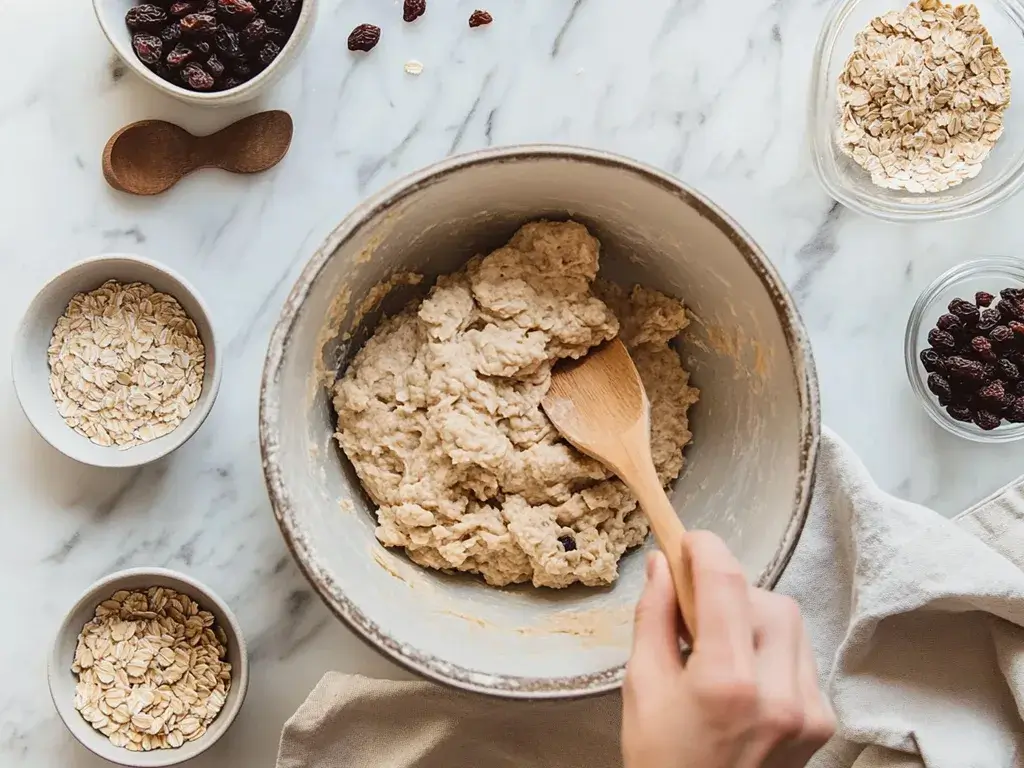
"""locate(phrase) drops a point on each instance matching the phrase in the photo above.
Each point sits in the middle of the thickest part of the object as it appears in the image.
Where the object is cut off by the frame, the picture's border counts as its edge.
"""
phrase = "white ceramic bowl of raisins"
(220, 60)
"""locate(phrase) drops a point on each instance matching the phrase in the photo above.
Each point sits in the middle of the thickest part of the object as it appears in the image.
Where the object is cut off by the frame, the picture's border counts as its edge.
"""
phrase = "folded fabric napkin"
(917, 624)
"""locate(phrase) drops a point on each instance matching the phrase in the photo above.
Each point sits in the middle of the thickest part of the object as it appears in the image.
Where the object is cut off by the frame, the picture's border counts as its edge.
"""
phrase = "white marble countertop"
(713, 92)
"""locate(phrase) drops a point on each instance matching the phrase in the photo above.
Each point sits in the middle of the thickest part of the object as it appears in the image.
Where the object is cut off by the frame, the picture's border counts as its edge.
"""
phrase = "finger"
(778, 630)
(819, 722)
(721, 595)
(656, 654)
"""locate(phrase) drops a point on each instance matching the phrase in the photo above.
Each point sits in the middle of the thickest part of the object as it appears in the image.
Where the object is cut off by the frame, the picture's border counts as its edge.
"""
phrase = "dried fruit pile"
(976, 359)
(211, 45)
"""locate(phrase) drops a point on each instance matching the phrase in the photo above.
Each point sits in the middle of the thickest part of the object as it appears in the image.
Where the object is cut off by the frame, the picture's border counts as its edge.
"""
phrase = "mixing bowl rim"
(426, 665)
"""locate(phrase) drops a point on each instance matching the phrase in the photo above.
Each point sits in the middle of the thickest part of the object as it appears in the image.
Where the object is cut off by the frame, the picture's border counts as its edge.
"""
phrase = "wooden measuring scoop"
(151, 156)
(599, 405)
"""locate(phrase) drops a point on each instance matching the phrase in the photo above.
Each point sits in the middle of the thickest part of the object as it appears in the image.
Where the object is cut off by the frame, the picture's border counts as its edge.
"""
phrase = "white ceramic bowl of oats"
(149, 668)
(115, 361)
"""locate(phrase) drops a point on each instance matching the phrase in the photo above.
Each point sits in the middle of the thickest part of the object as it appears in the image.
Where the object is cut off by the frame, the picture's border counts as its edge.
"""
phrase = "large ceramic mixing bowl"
(749, 470)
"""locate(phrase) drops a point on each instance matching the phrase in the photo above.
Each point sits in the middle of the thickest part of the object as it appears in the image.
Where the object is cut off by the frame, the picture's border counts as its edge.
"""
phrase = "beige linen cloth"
(917, 623)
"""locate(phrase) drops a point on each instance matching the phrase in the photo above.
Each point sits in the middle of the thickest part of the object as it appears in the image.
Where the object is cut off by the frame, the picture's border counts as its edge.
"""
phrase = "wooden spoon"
(599, 405)
(151, 156)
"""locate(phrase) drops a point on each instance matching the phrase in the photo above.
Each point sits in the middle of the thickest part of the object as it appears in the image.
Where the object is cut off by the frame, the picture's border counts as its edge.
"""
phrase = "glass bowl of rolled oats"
(115, 362)
(912, 115)
(149, 668)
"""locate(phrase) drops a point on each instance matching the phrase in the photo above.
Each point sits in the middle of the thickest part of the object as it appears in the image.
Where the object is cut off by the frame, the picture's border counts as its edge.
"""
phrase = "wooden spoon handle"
(669, 531)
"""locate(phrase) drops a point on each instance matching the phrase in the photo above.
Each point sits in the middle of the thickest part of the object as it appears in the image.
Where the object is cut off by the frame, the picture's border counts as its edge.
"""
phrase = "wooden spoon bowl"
(151, 156)
(598, 404)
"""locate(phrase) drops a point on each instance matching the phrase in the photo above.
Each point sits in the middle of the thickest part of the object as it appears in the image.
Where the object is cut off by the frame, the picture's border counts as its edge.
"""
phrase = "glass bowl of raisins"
(964, 350)
(207, 52)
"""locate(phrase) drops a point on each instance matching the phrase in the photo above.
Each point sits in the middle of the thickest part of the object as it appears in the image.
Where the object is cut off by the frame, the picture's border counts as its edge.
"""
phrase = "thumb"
(656, 651)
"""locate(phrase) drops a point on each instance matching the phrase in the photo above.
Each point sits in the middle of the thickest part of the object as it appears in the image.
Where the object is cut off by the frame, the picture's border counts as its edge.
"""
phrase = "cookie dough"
(440, 415)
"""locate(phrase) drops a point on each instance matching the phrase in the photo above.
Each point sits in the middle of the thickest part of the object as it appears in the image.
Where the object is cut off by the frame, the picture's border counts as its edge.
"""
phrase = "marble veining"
(713, 92)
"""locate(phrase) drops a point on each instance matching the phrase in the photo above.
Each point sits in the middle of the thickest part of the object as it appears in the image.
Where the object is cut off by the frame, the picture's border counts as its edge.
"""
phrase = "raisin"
(941, 340)
(254, 34)
(1018, 388)
(198, 24)
(1001, 334)
(242, 68)
(982, 347)
(276, 35)
(932, 361)
(940, 387)
(1017, 327)
(413, 9)
(238, 13)
(965, 369)
(987, 420)
(568, 543)
(989, 319)
(965, 310)
(268, 53)
(364, 38)
(1007, 370)
(960, 412)
(231, 81)
(1015, 413)
(146, 18)
(202, 47)
(1012, 294)
(949, 323)
(183, 9)
(148, 48)
(283, 13)
(1011, 309)
(225, 40)
(179, 56)
(196, 77)
(992, 391)
(215, 66)
(1007, 402)
(480, 18)
(983, 298)
(171, 33)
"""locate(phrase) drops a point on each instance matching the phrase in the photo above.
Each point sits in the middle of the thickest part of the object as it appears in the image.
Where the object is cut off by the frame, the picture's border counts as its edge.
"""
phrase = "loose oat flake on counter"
(152, 670)
(126, 364)
(440, 414)
(922, 96)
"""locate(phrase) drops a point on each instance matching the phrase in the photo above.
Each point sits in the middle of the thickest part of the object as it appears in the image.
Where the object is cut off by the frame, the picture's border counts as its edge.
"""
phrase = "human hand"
(748, 695)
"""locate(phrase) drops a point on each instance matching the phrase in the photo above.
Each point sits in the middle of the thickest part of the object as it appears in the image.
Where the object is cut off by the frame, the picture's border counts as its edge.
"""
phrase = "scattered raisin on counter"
(480, 18)
(975, 361)
(364, 38)
(228, 41)
(413, 9)
(568, 543)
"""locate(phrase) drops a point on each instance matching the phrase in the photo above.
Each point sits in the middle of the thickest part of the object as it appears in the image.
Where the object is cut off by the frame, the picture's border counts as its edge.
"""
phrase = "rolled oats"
(922, 97)
(151, 669)
(126, 364)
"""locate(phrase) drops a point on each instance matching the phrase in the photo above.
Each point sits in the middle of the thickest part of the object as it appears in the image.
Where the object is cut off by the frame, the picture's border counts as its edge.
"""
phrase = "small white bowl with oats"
(149, 668)
(115, 361)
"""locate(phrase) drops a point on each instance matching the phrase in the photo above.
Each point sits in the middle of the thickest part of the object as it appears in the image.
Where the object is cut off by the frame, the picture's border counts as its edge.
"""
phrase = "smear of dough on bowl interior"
(440, 414)
(748, 470)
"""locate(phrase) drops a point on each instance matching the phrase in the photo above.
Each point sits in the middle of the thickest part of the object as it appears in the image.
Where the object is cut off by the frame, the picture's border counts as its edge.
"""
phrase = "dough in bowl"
(440, 414)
